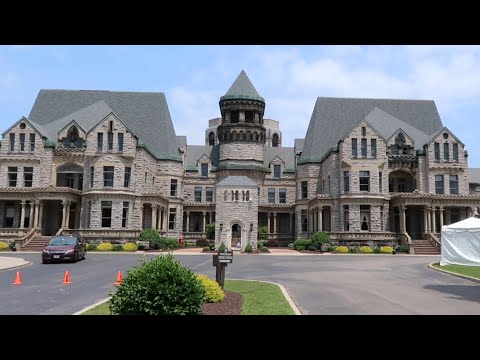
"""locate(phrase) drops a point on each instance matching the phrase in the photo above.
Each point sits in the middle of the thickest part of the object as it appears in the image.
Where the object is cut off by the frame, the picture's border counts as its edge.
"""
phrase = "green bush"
(263, 232)
(117, 247)
(106, 246)
(401, 248)
(353, 250)
(290, 246)
(3, 246)
(166, 243)
(249, 248)
(141, 247)
(221, 248)
(213, 291)
(341, 249)
(321, 237)
(273, 243)
(312, 248)
(331, 248)
(210, 232)
(302, 242)
(150, 235)
(264, 249)
(376, 250)
(386, 250)
(130, 247)
(161, 286)
(201, 242)
(260, 244)
(91, 247)
(206, 248)
(300, 248)
(366, 250)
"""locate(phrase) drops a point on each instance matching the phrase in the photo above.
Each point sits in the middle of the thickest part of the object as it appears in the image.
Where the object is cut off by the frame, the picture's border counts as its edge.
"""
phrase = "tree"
(210, 230)
(263, 232)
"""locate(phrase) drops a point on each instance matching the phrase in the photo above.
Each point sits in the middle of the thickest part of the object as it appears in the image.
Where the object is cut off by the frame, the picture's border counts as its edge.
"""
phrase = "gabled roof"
(298, 144)
(146, 114)
(332, 118)
(195, 152)
(363, 121)
(287, 154)
(181, 141)
(242, 88)
(474, 175)
(237, 181)
(433, 136)
(39, 129)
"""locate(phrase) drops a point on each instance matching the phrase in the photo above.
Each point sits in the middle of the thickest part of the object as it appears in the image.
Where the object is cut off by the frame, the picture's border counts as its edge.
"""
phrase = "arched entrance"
(236, 241)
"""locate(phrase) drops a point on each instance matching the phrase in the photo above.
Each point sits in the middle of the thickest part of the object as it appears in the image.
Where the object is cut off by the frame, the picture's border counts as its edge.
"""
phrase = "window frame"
(108, 172)
(106, 205)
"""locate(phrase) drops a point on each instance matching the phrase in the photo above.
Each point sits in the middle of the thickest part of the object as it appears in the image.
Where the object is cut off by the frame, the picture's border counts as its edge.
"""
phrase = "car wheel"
(83, 256)
(75, 257)
(44, 261)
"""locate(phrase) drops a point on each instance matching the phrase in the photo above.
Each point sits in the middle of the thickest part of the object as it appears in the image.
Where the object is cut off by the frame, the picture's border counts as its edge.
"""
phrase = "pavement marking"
(92, 306)
(454, 274)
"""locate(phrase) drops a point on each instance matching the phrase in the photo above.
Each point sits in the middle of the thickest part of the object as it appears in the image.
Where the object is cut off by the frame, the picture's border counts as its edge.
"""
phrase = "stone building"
(108, 164)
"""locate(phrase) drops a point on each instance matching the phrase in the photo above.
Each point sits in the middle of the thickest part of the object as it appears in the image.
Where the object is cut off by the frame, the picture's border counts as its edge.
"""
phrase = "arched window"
(400, 140)
(211, 139)
(275, 140)
(247, 196)
(73, 140)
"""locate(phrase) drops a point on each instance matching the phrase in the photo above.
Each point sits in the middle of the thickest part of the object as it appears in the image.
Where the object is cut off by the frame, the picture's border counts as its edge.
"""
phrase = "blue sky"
(290, 78)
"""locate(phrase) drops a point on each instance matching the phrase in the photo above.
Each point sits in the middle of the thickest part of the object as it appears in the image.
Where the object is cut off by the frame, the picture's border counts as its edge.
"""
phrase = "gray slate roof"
(242, 88)
(298, 144)
(146, 114)
(474, 175)
(237, 181)
(386, 125)
(285, 153)
(333, 118)
(195, 152)
(181, 141)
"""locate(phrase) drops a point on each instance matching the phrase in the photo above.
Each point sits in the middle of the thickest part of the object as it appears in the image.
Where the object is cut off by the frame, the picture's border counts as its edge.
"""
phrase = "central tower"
(241, 134)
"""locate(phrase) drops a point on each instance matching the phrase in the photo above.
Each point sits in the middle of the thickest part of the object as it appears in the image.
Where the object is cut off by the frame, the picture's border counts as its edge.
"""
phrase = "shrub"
(331, 248)
(206, 248)
(130, 247)
(161, 286)
(300, 248)
(312, 248)
(3, 246)
(141, 247)
(263, 232)
(302, 242)
(213, 292)
(117, 247)
(248, 248)
(221, 248)
(149, 235)
(91, 247)
(210, 232)
(106, 246)
(341, 249)
(353, 249)
(290, 246)
(366, 250)
(321, 237)
(264, 249)
(402, 248)
(166, 243)
(376, 250)
(386, 250)
(201, 242)
(260, 244)
(273, 243)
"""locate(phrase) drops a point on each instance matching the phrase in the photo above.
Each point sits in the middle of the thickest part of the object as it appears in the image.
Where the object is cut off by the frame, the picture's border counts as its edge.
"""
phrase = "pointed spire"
(242, 88)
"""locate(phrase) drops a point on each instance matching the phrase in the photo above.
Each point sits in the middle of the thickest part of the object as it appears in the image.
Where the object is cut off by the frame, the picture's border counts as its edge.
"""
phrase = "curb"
(27, 263)
(284, 292)
(91, 306)
(466, 277)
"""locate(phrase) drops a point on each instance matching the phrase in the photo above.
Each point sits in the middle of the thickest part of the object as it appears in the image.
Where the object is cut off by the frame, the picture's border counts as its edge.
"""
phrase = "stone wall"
(245, 152)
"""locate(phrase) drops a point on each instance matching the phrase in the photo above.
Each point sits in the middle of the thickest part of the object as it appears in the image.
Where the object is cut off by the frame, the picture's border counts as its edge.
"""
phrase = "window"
(27, 176)
(209, 194)
(236, 195)
(282, 196)
(276, 171)
(364, 180)
(173, 187)
(106, 214)
(108, 172)
(401, 184)
(271, 196)
(373, 147)
(69, 180)
(211, 139)
(225, 195)
(88, 216)
(9, 214)
(381, 218)
(234, 116)
(446, 154)
(439, 184)
(437, 151)
(110, 141)
(346, 181)
(125, 214)
(445, 135)
(275, 140)
(455, 152)
(198, 194)
(126, 180)
(204, 169)
(364, 147)
(22, 142)
(100, 142)
(365, 217)
(304, 189)
(304, 220)
(80, 181)
(249, 117)
(364, 131)
(12, 142)
(92, 176)
(172, 218)
(346, 218)
(453, 184)
(394, 150)
(354, 148)
(247, 197)
(391, 184)
(12, 176)
(32, 142)
(380, 182)
(120, 141)
(73, 140)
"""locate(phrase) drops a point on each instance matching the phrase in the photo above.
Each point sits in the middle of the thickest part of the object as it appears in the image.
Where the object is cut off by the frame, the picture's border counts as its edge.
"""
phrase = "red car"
(64, 247)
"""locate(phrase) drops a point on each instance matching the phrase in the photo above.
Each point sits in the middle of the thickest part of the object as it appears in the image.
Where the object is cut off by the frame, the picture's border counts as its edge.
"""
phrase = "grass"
(258, 299)
(473, 271)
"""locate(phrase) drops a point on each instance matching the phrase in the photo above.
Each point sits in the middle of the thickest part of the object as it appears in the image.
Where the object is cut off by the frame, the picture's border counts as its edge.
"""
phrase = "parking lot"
(323, 284)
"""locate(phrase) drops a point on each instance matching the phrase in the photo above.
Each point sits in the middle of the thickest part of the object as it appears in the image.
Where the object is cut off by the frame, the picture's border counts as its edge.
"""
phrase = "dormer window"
(277, 170)
(204, 170)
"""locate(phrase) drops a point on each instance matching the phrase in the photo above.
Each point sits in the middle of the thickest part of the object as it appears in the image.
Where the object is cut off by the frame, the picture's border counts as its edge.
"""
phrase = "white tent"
(461, 243)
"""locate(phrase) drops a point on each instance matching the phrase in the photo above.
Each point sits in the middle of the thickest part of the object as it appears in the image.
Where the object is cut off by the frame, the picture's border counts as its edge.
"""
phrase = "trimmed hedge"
(206, 248)
(149, 235)
(130, 247)
(201, 242)
(264, 249)
(106, 246)
(366, 250)
(3, 246)
(341, 249)
(91, 247)
(386, 250)
(213, 292)
(249, 248)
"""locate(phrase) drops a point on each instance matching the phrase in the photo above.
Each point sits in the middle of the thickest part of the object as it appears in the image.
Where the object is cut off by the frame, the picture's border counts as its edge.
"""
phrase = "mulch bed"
(231, 305)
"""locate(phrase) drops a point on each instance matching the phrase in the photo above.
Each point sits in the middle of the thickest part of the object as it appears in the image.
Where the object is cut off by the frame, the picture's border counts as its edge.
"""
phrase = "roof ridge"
(372, 98)
(107, 91)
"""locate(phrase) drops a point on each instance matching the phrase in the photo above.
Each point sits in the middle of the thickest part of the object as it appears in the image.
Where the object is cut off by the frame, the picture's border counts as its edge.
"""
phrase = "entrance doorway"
(52, 217)
(236, 236)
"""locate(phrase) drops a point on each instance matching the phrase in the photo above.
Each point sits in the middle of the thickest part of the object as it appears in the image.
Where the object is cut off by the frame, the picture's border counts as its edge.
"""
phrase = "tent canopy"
(461, 243)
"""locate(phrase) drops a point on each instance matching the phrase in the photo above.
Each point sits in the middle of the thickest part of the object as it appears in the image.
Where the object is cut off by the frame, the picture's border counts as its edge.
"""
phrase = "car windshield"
(62, 241)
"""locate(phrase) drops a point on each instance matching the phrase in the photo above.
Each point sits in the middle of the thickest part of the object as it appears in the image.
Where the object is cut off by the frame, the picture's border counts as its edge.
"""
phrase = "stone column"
(30, 219)
(331, 218)
(402, 219)
(187, 228)
(165, 219)
(425, 220)
(292, 223)
(67, 219)
(275, 222)
(441, 218)
(22, 215)
(154, 216)
(268, 219)
(204, 221)
(429, 220)
(320, 218)
(40, 216)
(35, 221)
(434, 221)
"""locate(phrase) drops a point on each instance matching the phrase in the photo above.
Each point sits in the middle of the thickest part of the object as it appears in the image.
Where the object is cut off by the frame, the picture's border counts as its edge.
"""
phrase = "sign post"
(220, 261)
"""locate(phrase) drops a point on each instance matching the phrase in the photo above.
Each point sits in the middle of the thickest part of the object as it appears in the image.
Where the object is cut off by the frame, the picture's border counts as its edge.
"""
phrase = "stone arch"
(275, 140)
(220, 136)
(401, 180)
(236, 234)
(211, 138)
(256, 136)
(241, 135)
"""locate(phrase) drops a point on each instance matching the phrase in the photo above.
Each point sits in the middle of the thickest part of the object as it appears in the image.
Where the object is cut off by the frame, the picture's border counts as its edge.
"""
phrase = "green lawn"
(258, 299)
(473, 271)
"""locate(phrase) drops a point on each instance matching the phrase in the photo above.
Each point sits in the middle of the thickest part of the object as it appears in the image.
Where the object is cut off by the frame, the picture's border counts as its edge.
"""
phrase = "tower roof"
(242, 88)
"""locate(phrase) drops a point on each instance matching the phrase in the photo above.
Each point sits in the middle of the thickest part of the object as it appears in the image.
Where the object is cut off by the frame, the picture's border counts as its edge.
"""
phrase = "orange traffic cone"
(119, 279)
(66, 279)
(18, 279)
